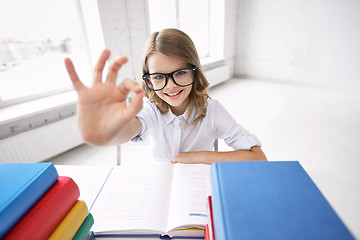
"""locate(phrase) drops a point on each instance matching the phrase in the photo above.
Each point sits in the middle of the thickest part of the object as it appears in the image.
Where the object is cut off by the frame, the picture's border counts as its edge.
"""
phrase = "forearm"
(128, 133)
(254, 154)
(113, 136)
(209, 157)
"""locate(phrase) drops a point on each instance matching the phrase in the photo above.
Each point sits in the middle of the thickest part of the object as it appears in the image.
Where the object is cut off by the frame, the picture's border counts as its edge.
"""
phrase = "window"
(190, 16)
(35, 38)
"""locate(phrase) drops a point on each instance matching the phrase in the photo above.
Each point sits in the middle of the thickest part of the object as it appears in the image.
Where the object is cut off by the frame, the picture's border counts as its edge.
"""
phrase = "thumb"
(136, 104)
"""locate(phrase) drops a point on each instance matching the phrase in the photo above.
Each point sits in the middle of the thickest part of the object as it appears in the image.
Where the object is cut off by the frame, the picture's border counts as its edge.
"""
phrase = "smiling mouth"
(173, 94)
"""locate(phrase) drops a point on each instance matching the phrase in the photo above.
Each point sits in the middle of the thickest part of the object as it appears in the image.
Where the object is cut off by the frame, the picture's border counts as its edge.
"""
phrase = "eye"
(157, 77)
(181, 73)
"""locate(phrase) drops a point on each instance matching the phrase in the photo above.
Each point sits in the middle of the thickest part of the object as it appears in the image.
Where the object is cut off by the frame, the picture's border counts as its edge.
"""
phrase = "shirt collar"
(170, 116)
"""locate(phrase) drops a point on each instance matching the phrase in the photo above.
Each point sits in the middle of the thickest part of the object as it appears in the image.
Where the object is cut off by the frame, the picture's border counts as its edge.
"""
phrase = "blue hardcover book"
(270, 200)
(21, 186)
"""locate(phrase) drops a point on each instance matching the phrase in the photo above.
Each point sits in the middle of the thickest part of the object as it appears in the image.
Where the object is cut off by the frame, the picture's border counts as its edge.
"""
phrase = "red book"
(206, 232)
(42, 219)
(210, 219)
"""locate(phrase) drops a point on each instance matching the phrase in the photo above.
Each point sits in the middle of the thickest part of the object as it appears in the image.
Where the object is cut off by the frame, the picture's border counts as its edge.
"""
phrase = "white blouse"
(170, 134)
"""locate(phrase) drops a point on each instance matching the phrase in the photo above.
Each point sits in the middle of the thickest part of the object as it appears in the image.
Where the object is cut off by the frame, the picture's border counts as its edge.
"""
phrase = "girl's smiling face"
(177, 97)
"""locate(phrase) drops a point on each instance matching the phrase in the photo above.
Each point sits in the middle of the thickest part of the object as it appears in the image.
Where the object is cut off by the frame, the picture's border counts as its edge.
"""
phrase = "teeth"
(174, 94)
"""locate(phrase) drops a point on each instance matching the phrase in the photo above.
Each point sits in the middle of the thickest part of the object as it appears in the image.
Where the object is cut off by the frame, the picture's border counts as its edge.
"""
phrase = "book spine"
(48, 212)
(84, 228)
(210, 219)
(218, 219)
(28, 196)
(71, 223)
(206, 232)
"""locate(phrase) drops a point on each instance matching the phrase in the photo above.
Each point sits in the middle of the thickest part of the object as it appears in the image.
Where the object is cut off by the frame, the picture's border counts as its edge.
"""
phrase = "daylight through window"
(190, 16)
(35, 38)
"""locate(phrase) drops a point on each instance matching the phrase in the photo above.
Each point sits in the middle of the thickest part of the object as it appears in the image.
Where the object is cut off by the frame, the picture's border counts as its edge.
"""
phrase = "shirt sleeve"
(234, 134)
(145, 117)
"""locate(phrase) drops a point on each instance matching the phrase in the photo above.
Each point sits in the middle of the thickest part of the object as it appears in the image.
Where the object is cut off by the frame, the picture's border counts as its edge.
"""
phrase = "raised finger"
(114, 69)
(99, 67)
(78, 85)
(129, 85)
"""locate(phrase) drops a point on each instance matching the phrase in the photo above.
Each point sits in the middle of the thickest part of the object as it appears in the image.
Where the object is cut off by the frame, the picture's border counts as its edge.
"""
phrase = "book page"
(188, 200)
(134, 200)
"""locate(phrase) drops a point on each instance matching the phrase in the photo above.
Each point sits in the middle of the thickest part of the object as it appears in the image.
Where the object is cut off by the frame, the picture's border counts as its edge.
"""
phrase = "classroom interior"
(288, 71)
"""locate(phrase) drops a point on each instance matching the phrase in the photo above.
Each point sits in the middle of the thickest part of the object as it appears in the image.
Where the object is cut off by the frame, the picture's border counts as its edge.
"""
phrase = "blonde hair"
(173, 42)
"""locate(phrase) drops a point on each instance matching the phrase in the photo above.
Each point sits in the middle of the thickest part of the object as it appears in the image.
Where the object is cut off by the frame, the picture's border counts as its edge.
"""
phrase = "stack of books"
(37, 203)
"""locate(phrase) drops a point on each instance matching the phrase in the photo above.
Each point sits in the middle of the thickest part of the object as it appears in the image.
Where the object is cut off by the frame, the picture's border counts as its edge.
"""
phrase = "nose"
(170, 82)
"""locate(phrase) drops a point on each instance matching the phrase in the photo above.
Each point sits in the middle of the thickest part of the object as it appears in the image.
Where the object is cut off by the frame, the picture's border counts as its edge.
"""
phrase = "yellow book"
(71, 222)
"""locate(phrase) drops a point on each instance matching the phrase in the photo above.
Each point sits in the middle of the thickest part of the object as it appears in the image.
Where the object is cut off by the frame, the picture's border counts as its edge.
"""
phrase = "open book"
(153, 200)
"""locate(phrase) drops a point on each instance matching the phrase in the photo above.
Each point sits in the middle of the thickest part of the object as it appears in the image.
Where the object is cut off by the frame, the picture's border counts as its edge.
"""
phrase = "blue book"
(270, 200)
(21, 186)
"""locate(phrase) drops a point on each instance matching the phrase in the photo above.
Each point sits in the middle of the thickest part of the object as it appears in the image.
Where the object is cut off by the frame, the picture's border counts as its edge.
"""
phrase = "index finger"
(99, 67)
(78, 85)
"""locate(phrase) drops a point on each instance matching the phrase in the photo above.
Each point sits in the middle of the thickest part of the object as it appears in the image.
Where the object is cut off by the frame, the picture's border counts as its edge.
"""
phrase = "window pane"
(162, 14)
(190, 16)
(194, 20)
(35, 38)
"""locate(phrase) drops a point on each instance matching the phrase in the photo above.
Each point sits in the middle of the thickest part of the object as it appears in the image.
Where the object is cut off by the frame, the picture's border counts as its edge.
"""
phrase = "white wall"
(315, 41)
(230, 30)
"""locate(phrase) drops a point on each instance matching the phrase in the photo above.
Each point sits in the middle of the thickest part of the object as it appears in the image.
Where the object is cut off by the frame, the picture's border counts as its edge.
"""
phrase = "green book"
(84, 228)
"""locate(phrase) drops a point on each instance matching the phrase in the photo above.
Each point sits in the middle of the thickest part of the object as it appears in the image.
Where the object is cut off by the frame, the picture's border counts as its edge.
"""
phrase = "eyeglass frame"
(170, 75)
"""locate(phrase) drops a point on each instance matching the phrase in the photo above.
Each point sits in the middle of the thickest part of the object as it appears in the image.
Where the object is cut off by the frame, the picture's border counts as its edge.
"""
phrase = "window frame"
(19, 115)
(90, 26)
(216, 29)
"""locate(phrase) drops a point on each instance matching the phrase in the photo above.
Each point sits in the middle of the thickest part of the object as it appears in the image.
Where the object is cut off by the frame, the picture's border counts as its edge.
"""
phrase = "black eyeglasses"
(182, 77)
